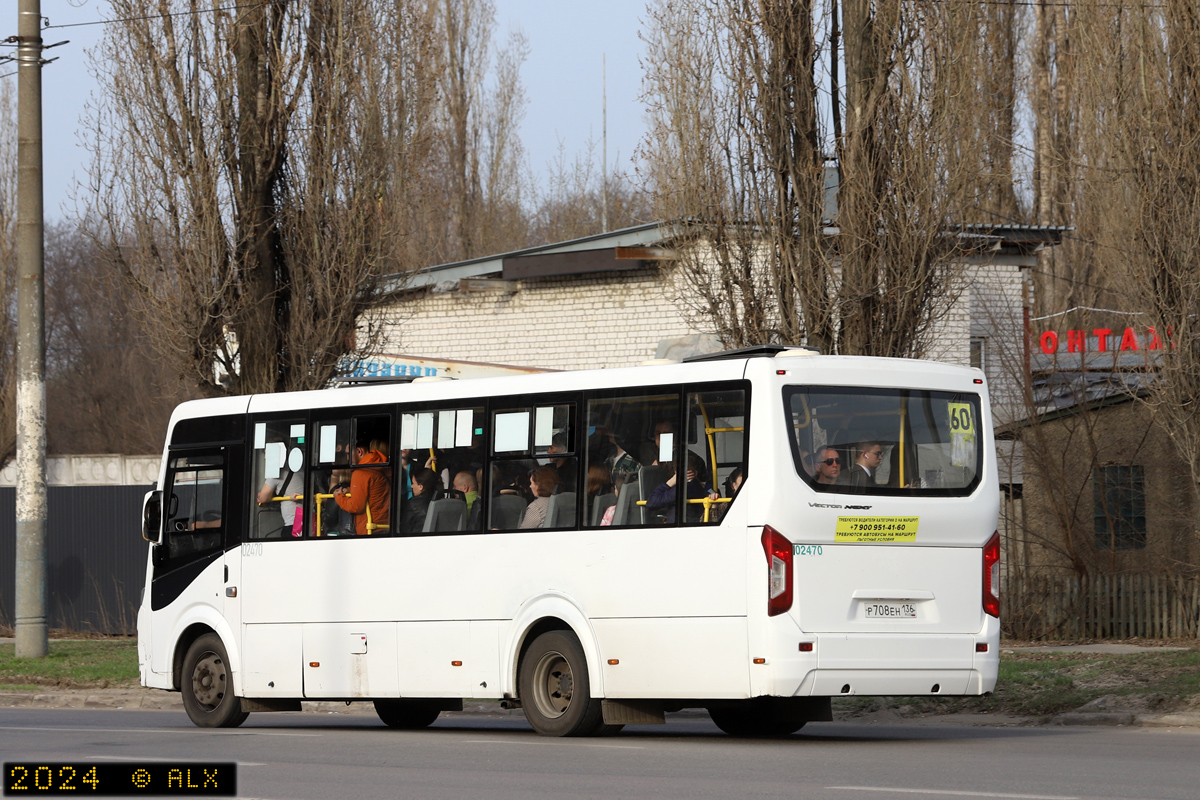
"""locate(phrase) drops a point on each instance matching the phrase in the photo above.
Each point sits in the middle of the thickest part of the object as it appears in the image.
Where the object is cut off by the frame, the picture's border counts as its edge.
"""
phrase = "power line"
(1029, 4)
(233, 7)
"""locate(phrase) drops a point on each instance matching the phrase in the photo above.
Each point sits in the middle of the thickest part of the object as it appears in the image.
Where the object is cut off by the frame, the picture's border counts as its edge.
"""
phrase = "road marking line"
(554, 744)
(152, 730)
(963, 793)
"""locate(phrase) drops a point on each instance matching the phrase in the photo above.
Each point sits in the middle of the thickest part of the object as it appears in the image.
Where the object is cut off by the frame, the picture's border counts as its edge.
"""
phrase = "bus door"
(187, 564)
(269, 562)
(232, 536)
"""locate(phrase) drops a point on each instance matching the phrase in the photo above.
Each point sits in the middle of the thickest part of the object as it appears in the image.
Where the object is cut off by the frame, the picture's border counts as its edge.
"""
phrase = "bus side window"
(633, 441)
(717, 444)
(277, 479)
(351, 485)
(442, 455)
(534, 475)
(194, 505)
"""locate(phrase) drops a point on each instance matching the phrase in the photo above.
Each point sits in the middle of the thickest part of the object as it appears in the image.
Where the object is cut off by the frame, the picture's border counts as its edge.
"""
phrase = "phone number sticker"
(876, 529)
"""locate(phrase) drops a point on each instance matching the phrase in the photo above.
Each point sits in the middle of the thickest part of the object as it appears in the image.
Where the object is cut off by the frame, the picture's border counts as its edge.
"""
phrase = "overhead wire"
(193, 12)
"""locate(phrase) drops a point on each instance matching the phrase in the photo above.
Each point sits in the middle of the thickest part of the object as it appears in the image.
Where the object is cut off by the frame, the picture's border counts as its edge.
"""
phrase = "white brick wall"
(618, 318)
(606, 319)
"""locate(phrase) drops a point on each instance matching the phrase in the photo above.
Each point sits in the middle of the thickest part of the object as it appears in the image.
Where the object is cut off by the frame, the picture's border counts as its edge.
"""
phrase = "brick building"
(614, 300)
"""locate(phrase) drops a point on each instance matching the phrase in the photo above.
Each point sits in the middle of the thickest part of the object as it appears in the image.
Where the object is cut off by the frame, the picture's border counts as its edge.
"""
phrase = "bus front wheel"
(760, 717)
(207, 685)
(407, 714)
(555, 690)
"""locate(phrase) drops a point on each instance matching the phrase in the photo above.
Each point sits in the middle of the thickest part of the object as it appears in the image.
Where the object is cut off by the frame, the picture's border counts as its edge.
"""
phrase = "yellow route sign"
(876, 529)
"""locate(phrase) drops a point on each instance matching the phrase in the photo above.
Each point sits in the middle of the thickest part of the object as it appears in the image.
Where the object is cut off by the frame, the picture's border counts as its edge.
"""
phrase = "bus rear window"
(885, 441)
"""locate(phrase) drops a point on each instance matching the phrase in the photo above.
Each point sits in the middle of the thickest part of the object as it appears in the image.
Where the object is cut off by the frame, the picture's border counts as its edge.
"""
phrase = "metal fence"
(1101, 606)
(97, 558)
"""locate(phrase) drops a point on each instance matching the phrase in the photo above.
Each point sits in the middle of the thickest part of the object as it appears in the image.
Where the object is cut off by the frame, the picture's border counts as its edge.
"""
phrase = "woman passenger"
(541, 483)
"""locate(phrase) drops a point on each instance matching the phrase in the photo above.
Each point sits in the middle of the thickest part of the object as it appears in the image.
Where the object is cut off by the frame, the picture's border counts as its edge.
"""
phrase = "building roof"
(606, 252)
(1064, 393)
(493, 265)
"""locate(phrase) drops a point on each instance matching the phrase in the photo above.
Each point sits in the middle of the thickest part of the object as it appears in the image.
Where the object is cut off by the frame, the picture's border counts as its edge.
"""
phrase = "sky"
(568, 42)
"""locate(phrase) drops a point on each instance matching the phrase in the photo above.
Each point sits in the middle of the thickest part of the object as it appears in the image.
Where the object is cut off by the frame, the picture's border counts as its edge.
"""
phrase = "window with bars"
(1119, 493)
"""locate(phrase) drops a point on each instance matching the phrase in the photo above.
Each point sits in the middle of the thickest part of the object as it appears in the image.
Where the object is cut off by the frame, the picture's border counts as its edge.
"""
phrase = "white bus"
(525, 539)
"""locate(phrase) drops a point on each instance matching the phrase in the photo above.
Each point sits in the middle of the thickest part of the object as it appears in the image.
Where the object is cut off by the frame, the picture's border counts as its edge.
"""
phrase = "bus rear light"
(806, 647)
(779, 571)
(991, 576)
(981, 647)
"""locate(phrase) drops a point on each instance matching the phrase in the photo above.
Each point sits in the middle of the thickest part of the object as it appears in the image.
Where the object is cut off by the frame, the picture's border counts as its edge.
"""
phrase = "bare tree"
(571, 203)
(1153, 182)
(252, 176)
(96, 351)
(741, 158)
(476, 178)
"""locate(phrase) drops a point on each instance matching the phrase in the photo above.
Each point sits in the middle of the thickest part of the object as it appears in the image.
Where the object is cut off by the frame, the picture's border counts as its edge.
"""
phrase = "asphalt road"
(311, 756)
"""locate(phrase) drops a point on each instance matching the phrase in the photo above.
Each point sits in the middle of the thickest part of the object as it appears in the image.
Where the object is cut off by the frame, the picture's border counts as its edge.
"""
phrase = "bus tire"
(555, 690)
(407, 715)
(760, 717)
(207, 685)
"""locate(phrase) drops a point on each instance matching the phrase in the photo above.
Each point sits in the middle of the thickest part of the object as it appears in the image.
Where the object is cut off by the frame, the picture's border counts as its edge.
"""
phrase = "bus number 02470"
(807, 550)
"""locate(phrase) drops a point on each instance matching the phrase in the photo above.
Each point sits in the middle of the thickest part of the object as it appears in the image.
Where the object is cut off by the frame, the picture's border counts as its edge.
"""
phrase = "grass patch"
(1041, 684)
(91, 664)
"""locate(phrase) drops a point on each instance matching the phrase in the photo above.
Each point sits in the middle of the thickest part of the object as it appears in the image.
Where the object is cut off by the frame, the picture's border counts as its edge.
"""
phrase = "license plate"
(891, 611)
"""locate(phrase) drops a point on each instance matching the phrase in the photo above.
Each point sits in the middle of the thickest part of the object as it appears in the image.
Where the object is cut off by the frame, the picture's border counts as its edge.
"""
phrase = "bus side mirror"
(152, 516)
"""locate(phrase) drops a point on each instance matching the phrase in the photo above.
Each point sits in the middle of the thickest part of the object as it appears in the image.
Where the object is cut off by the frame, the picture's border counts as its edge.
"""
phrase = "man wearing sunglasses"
(829, 465)
(870, 456)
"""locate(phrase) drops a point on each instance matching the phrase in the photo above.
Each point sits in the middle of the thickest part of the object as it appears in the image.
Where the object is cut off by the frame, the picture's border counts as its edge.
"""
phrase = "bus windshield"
(885, 441)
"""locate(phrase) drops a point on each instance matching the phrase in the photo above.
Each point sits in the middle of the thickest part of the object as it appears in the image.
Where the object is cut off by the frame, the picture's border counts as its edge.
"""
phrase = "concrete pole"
(604, 141)
(32, 627)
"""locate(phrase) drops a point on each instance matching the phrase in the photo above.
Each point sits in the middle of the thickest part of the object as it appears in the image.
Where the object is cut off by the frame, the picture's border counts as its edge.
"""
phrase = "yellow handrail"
(281, 498)
(712, 446)
(371, 526)
(321, 498)
(708, 502)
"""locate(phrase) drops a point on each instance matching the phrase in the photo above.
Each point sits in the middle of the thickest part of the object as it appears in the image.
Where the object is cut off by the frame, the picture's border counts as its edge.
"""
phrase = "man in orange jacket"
(369, 488)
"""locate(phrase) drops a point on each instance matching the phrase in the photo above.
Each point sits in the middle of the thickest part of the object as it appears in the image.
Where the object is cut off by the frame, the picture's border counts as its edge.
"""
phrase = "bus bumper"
(890, 664)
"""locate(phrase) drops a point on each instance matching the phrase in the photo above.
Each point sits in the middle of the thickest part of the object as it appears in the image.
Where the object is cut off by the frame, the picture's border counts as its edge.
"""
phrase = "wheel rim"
(552, 685)
(208, 680)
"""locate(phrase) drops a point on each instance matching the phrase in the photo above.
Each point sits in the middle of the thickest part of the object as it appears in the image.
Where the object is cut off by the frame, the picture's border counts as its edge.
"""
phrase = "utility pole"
(32, 629)
(604, 141)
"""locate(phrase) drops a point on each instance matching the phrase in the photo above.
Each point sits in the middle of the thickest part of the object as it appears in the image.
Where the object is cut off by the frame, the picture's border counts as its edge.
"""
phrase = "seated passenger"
(870, 457)
(664, 426)
(541, 483)
(734, 481)
(663, 495)
(412, 516)
(621, 465)
(829, 465)
(564, 466)
(465, 483)
(598, 482)
(369, 488)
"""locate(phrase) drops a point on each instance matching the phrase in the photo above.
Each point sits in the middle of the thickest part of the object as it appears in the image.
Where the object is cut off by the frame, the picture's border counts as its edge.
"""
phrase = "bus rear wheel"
(555, 690)
(207, 685)
(407, 714)
(760, 717)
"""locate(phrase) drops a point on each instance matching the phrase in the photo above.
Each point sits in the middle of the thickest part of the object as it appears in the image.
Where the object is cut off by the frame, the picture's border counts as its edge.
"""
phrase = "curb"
(121, 700)
(1184, 719)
